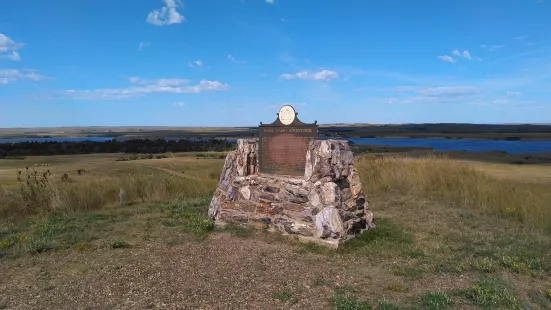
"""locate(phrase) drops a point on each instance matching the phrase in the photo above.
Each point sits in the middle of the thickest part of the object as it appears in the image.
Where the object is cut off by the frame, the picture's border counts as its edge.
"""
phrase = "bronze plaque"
(283, 148)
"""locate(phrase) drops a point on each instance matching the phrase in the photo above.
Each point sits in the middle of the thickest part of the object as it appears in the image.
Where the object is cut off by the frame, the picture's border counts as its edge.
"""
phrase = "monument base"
(325, 206)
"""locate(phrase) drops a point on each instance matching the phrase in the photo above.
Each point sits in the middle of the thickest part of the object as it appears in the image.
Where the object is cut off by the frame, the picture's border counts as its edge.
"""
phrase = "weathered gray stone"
(246, 192)
(329, 193)
(329, 224)
(327, 205)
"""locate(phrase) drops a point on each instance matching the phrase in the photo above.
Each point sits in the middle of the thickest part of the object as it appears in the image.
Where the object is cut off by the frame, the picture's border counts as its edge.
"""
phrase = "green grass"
(285, 296)
(436, 301)
(84, 231)
(492, 293)
(240, 231)
(344, 300)
(387, 240)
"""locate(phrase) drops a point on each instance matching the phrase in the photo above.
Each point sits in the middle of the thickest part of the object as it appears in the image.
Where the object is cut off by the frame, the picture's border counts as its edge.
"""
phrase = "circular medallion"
(287, 115)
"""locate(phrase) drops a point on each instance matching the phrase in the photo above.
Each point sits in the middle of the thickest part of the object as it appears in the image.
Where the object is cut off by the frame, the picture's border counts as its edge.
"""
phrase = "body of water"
(56, 139)
(439, 144)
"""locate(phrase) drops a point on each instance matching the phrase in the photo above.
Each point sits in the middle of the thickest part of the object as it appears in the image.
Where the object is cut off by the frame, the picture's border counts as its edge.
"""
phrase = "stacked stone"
(327, 205)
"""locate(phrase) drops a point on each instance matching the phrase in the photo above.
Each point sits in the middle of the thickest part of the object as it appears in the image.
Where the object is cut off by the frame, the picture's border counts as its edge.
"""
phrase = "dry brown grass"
(431, 245)
(458, 184)
(171, 179)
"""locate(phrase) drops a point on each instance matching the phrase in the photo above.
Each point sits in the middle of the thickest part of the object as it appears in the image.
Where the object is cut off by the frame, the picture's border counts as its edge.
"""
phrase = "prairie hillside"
(451, 234)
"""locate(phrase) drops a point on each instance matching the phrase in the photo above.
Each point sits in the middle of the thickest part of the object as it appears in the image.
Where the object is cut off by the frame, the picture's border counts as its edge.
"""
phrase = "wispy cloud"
(167, 15)
(12, 75)
(143, 45)
(178, 104)
(492, 48)
(8, 48)
(421, 94)
(323, 75)
(447, 58)
(194, 64)
(230, 57)
(270, 1)
(143, 87)
(512, 93)
(465, 54)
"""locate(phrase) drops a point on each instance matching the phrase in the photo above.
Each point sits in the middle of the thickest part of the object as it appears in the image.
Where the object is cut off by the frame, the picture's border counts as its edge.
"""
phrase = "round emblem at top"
(287, 115)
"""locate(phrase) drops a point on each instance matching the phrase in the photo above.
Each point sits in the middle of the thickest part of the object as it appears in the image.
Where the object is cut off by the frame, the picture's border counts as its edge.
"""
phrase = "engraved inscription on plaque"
(283, 149)
(284, 143)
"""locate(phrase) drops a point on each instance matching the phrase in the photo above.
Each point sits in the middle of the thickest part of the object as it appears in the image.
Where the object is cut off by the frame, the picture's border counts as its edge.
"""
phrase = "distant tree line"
(128, 146)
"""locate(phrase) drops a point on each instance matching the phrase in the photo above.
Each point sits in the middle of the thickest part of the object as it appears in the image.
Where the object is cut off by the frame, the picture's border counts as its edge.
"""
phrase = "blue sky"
(235, 62)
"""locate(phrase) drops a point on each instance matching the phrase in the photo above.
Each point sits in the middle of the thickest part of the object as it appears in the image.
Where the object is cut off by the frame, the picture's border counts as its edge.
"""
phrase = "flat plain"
(451, 234)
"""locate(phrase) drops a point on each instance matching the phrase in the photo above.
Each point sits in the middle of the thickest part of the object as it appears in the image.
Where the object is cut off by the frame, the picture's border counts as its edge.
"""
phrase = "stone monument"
(291, 182)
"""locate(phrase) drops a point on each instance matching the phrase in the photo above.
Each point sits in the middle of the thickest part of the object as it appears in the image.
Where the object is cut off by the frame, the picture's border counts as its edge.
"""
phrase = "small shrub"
(65, 178)
(514, 264)
(484, 264)
(37, 245)
(396, 287)
(285, 296)
(83, 246)
(119, 244)
(200, 226)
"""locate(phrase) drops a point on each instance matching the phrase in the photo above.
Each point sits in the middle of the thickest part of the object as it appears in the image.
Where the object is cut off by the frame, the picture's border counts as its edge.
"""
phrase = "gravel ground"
(223, 272)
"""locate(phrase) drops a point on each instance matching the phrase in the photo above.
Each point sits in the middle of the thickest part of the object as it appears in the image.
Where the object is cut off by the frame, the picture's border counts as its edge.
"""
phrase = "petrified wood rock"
(326, 206)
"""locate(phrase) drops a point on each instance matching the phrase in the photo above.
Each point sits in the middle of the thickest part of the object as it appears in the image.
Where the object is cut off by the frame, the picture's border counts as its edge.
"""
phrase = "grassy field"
(451, 234)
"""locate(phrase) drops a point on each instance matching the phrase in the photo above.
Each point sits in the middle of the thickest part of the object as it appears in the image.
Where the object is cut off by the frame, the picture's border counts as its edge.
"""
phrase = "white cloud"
(230, 57)
(448, 91)
(437, 95)
(178, 104)
(512, 93)
(13, 75)
(143, 87)
(197, 63)
(8, 48)
(143, 45)
(270, 1)
(447, 58)
(492, 48)
(466, 54)
(167, 15)
(14, 56)
(323, 75)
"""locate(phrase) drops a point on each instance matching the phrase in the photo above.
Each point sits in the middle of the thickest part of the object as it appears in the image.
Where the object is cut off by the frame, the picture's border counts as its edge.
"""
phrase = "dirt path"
(223, 272)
